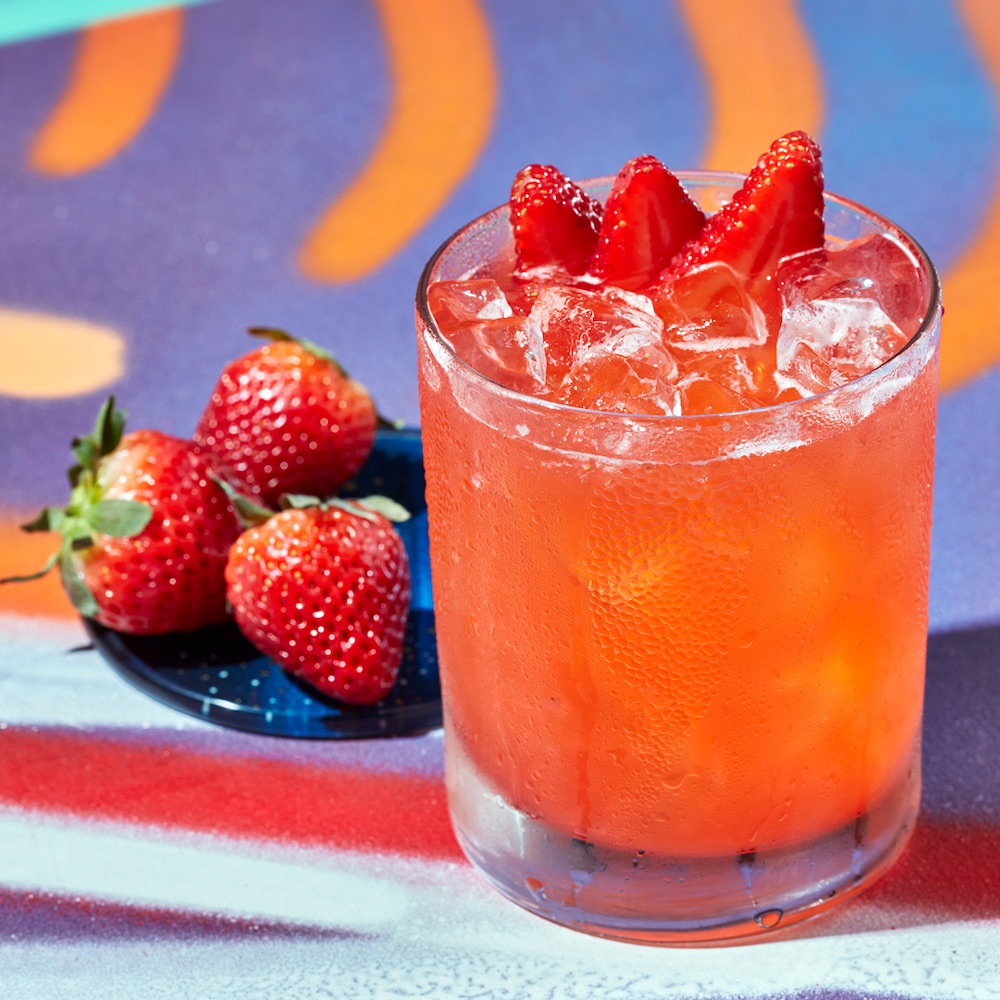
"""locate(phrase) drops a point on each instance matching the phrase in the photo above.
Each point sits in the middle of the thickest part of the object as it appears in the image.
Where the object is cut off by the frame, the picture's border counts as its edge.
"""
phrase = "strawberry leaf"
(118, 518)
(109, 426)
(77, 591)
(50, 519)
(299, 501)
(86, 451)
(369, 507)
(388, 508)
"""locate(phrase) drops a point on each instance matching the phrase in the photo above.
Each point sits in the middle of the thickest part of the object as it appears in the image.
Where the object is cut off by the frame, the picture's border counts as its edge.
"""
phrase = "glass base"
(663, 900)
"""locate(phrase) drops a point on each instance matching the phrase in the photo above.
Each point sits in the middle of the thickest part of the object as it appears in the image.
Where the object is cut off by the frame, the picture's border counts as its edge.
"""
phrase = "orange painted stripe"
(48, 356)
(970, 342)
(762, 75)
(121, 70)
(444, 95)
(22, 554)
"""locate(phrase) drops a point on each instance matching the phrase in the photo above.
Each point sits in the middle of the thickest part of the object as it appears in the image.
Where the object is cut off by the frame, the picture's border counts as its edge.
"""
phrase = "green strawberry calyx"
(88, 512)
(252, 513)
(276, 334)
(366, 507)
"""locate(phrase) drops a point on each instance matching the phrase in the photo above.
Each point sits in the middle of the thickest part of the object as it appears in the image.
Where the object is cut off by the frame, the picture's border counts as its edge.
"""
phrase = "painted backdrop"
(170, 175)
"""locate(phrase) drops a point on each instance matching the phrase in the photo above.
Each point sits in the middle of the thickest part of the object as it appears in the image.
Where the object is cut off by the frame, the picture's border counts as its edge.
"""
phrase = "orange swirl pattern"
(444, 93)
(121, 70)
(971, 340)
(772, 87)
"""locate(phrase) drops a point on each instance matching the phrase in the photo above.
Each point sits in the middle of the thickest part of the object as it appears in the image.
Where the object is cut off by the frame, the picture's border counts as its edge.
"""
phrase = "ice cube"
(502, 350)
(525, 287)
(830, 341)
(629, 372)
(730, 380)
(709, 309)
(876, 267)
(477, 320)
(700, 394)
(719, 382)
(571, 320)
(453, 303)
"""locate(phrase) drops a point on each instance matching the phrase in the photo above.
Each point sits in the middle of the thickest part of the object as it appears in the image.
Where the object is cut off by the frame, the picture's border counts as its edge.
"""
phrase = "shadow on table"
(951, 867)
(27, 916)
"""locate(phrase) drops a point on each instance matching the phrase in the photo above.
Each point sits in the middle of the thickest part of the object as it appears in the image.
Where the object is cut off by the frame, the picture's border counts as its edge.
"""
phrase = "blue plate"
(217, 675)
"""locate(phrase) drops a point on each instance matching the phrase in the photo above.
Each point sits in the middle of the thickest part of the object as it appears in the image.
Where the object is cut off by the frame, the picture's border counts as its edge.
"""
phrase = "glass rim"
(931, 317)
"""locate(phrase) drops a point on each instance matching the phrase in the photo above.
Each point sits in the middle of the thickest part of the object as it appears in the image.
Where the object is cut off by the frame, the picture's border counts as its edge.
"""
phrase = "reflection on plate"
(217, 675)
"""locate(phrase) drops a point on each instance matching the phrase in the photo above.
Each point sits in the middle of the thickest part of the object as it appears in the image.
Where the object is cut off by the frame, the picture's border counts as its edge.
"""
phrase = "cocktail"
(681, 613)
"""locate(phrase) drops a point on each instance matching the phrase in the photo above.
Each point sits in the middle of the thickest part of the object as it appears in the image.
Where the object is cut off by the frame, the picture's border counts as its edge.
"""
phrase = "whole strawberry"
(324, 589)
(286, 418)
(146, 532)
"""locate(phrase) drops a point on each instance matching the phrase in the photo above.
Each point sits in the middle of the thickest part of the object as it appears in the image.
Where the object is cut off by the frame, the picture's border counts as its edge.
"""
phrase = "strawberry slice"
(555, 221)
(648, 217)
(777, 212)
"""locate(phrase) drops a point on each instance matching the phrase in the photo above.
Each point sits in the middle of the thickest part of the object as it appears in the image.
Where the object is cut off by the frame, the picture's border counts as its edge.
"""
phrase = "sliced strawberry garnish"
(648, 217)
(555, 221)
(777, 212)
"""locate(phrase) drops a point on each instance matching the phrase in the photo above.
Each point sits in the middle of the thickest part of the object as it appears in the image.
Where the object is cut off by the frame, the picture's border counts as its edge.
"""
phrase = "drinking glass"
(682, 657)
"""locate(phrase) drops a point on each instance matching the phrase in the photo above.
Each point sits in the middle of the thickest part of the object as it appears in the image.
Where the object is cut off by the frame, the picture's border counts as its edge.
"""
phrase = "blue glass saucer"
(217, 675)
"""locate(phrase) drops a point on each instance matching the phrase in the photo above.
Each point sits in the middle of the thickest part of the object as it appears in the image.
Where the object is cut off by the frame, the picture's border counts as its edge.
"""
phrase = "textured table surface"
(170, 176)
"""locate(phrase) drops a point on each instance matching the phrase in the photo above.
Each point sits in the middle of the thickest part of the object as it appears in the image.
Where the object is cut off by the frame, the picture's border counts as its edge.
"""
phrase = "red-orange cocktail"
(682, 656)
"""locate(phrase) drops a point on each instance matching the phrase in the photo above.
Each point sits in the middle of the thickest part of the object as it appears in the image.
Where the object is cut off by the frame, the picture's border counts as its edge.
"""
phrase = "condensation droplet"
(769, 919)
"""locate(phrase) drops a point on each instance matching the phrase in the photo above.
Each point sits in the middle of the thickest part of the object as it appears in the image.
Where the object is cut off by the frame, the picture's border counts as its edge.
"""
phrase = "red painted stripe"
(949, 870)
(165, 785)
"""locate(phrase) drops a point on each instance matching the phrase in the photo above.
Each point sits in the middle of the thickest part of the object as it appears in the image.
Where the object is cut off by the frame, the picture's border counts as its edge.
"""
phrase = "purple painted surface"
(190, 235)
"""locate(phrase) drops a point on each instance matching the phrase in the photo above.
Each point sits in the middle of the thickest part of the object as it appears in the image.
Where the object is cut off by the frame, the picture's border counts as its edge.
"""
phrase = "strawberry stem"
(27, 577)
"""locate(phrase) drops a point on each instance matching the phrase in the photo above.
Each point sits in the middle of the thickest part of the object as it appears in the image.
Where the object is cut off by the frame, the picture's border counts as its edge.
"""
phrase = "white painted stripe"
(47, 679)
(141, 867)
(439, 920)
